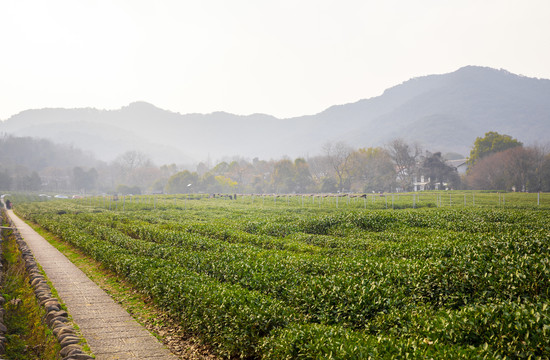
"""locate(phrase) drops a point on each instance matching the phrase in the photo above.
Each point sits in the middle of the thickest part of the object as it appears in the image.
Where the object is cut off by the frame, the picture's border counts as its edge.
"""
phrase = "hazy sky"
(280, 57)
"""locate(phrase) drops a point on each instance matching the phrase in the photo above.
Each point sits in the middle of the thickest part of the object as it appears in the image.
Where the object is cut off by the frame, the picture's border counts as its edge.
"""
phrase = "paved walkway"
(109, 330)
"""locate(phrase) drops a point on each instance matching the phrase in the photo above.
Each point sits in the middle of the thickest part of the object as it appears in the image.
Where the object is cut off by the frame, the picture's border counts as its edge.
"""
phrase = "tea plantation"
(294, 279)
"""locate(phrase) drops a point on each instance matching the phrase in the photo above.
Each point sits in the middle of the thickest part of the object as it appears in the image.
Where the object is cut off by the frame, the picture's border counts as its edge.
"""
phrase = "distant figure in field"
(8, 204)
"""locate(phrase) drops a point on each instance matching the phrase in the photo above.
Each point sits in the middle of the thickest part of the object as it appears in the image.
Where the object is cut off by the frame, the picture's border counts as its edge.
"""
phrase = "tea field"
(310, 278)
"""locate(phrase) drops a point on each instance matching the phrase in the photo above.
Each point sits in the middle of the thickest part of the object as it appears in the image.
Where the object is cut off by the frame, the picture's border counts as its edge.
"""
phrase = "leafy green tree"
(179, 182)
(237, 171)
(283, 176)
(158, 185)
(372, 170)
(84, 180)
(226, 183)
(259, 184)
(210, 184)
(328, 185)
(302, 176)
(491, 143)
(31, 182)
(220, 168)
(291, 176)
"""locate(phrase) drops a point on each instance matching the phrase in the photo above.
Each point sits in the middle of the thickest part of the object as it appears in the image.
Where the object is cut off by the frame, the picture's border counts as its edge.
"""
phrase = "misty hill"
(38, 154)
(441, 112)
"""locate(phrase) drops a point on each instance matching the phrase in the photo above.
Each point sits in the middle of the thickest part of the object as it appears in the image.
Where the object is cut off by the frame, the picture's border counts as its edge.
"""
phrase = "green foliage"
(491, 143)
(84, 180)
(372, 170)
(293, 282)
(180, 183)
(314, 341)
(225, 183)
(28, 337)
(38, 154)
(328, 185)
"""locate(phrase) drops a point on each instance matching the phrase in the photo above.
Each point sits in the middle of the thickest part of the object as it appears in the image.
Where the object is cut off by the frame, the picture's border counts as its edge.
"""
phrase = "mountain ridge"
(442, 112)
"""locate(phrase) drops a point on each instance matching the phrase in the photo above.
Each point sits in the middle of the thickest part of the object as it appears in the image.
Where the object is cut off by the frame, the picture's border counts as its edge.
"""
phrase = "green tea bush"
(309, 283)
(313, 341)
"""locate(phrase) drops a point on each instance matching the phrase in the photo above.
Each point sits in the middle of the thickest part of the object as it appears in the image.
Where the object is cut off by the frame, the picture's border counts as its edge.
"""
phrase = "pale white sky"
(280, 57)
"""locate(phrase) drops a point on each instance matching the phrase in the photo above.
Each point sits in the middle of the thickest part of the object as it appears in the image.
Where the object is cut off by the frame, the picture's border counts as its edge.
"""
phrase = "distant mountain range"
(440, 112)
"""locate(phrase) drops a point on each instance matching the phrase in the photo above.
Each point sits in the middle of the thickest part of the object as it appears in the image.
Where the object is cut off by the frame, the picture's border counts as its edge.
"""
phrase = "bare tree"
(127, 168)
(318, 167)
(511, 169)
(488, 173)
(541, 153)
(338, 157)
(405, 158)
(132, 160)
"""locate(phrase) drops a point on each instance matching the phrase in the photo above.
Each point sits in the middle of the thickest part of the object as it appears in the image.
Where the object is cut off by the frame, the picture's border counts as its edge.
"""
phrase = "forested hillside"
(38, 154)
(27, 163)
(440, 112)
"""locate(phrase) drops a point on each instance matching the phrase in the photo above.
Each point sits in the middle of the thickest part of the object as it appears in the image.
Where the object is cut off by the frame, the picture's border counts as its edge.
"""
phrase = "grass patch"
(27, 337)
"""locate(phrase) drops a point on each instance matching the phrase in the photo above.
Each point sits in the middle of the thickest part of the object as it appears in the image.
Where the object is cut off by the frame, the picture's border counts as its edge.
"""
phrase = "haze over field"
(439, 112)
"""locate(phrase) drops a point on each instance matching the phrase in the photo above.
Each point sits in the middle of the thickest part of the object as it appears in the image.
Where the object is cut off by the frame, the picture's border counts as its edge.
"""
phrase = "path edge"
(56, 318)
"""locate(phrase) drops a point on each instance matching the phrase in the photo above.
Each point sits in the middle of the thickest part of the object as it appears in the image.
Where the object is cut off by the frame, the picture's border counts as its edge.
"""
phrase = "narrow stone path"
(109, 330)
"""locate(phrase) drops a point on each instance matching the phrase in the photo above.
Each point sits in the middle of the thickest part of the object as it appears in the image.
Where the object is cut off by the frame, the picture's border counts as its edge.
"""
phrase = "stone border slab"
(109, 330)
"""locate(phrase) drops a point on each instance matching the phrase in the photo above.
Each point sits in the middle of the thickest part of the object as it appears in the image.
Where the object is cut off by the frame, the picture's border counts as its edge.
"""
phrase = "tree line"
(496, 162)
(500, 162)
